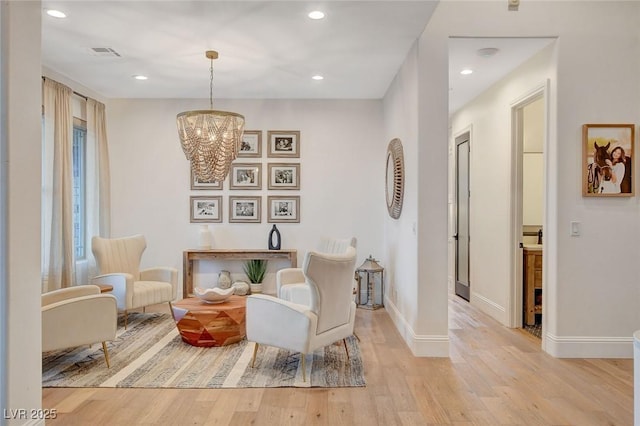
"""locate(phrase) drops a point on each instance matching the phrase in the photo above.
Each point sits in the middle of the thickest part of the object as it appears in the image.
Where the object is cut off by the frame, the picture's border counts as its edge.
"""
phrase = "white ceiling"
(463, 54)
(267, 49)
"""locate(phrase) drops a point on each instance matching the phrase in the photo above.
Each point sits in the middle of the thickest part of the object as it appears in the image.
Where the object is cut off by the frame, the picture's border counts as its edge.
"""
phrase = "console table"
(188, 256)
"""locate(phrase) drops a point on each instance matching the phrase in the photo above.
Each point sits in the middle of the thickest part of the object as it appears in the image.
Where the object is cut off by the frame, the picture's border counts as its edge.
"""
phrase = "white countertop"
(533, 246)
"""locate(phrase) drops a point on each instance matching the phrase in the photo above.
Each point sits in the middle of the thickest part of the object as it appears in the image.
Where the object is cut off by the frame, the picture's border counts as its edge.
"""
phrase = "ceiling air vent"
(103, 51)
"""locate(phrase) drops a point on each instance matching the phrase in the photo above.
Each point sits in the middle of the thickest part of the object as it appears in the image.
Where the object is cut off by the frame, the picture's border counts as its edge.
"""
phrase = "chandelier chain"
(211, 85)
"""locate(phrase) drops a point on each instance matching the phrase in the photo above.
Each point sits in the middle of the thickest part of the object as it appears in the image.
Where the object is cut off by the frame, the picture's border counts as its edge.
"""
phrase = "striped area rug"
(151, 354)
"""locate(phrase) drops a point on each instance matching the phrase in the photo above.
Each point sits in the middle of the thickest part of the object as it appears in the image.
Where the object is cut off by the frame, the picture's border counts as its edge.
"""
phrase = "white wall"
(532, 164)
(22, 361)
(591, 291)
(341, 178)
(401, 249)
(491, 244)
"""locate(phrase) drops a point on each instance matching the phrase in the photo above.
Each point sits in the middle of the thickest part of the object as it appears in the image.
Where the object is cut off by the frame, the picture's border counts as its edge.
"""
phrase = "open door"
(461, 236)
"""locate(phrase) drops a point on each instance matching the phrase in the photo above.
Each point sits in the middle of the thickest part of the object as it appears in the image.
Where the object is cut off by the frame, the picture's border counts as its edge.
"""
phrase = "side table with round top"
(203, 324)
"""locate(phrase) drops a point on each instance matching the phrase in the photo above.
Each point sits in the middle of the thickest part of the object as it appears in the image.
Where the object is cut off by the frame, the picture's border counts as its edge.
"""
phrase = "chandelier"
(210, 138)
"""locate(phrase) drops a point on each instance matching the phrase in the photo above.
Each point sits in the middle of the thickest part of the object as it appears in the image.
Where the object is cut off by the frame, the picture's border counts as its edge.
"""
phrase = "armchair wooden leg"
(255, 351)
(106, 354)
(125, 319)
(346, 348)
(304, 368)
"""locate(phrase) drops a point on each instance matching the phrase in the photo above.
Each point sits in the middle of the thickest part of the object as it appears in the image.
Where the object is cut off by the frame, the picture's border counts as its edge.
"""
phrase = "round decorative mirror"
(394, 187)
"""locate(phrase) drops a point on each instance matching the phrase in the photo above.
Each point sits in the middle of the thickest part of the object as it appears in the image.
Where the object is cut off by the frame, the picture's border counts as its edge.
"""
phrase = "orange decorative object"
(202, 324)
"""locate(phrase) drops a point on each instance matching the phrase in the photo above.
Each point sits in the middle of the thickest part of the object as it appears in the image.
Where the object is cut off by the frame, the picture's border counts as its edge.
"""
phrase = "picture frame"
(283, 144)
(198, 185)
(205, 209)
(283, 209)
(284, 175)
(251, 145)
(608, 152)
(245, 176)
(245, 209)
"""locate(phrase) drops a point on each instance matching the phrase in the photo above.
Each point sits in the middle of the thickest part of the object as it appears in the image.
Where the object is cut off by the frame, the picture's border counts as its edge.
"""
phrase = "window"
(79, 188)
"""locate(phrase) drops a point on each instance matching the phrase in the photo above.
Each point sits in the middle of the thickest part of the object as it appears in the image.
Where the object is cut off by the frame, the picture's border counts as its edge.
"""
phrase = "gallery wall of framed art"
(242, 198)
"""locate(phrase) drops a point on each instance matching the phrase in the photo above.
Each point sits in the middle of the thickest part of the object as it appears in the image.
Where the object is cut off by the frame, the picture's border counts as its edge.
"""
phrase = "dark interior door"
(462, 217)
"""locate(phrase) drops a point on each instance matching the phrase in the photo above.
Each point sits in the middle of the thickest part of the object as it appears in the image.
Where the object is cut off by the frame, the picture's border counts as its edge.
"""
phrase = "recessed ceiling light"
(56, 13)
(140, 77)
(487, 52)
(316, 14)
(318, 77)
(466, 71)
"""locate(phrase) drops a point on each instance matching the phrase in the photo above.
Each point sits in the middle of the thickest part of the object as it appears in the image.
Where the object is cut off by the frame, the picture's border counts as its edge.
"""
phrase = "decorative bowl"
(213, 295)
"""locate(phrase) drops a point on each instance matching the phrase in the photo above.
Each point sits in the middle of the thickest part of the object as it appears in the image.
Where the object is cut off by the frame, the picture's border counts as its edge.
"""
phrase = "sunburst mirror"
(394, 187)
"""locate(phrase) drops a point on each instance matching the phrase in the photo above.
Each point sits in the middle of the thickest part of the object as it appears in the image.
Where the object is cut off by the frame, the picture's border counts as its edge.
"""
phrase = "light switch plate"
(574, 229)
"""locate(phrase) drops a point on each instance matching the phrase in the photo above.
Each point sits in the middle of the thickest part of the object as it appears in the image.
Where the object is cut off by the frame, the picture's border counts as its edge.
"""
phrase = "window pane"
(79, 211)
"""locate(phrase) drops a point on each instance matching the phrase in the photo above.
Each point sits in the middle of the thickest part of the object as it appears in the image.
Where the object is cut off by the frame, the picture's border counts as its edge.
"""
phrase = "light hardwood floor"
(494, 375)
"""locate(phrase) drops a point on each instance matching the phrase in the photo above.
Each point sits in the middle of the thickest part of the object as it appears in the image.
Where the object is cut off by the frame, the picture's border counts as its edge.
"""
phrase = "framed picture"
(284, 175)
(283, 209)
(283, 143)
(251, 145)
(244, 209)
(197, 184)
(206, 209)
(245, 176)
(608, 158)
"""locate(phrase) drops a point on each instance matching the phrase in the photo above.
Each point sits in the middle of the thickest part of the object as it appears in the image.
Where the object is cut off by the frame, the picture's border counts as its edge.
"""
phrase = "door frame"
(515, 299)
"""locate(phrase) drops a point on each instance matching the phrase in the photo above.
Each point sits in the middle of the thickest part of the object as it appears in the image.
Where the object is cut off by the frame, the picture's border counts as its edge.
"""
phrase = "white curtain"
(58, 250)
(98, 177)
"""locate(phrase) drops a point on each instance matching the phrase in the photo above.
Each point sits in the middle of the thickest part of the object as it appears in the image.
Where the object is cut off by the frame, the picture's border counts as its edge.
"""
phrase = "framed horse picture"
(608, 158)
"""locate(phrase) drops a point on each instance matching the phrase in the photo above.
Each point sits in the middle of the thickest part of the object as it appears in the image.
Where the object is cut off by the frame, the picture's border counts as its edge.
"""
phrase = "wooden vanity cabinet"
(532, 271)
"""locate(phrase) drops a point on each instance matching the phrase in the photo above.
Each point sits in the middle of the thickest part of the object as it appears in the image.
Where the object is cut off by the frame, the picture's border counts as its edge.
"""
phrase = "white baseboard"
(588, 346)
(489, 307)
(436, 346)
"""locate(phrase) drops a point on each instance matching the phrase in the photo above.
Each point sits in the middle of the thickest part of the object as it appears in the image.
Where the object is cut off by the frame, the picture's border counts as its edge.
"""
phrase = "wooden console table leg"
(187, 277)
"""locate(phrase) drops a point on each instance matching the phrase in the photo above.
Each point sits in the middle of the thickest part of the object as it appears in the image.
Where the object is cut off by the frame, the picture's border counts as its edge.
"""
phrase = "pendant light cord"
(211, 85)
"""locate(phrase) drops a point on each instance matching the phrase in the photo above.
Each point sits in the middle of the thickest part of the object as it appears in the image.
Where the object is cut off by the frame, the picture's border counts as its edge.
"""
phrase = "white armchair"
(290, 282)
(328, 318)
(118, 261)
(78, 316)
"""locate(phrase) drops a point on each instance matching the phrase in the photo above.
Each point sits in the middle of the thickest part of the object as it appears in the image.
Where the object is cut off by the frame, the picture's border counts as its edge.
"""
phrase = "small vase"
(256, 287)
(241, 288)
(274, 238)
(204, 241)
(224, 279)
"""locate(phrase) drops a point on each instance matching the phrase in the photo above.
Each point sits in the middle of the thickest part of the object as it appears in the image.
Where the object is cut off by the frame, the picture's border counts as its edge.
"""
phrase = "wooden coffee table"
(206, 325)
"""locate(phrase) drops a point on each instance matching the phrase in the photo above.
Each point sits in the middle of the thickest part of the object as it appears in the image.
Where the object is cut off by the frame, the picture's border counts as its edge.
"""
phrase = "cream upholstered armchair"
(290, 282)
(118, 261)
(78, 316)
(328, 318)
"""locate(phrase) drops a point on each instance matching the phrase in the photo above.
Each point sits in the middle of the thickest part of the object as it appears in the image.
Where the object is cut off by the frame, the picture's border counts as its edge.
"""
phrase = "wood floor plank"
(494, 375)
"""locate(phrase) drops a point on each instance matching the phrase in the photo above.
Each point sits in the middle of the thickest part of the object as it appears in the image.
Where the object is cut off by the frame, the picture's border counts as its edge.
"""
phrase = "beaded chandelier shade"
(210, 139)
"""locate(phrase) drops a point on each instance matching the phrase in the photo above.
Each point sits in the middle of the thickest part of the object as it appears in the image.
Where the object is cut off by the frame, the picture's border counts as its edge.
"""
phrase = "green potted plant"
(255, 270)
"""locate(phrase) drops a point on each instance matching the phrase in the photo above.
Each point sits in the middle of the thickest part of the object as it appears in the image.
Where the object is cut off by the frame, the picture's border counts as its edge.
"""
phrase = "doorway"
(461, 237)
(529, 137)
